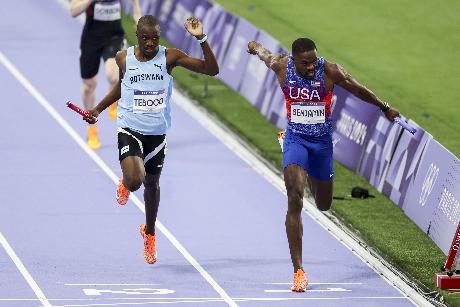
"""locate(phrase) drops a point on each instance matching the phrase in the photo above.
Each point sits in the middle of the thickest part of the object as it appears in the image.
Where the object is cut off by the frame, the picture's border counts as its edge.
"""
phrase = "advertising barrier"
(404, 164)
(236, 58)
(256, 72)
(379, 150)
(425, 193)
(354, 121)
(175, 32)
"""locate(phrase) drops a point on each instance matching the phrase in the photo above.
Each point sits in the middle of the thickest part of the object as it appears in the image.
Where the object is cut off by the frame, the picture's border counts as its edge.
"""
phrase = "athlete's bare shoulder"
(120, 58)
(279, 62)
(334, 71)
(172, 54)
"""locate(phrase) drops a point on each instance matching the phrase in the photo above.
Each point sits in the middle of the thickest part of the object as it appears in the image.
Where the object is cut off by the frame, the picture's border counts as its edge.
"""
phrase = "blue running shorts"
(312, 153)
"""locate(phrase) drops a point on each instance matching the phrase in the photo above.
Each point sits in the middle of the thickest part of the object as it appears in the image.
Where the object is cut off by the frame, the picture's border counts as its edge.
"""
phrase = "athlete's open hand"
(391, 114)
(194, 26)
(93, 114)
(253, 46)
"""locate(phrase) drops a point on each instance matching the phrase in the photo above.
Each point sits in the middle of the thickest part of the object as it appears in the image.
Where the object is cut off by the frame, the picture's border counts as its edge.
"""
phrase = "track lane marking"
(30, 280)
(95, 157)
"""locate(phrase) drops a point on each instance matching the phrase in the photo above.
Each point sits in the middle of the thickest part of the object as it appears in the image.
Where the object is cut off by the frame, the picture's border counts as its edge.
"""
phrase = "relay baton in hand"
(75, 108)
(405, 125)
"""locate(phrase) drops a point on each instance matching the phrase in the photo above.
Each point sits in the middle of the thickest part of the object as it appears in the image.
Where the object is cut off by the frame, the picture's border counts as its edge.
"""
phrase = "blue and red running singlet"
(308, 105)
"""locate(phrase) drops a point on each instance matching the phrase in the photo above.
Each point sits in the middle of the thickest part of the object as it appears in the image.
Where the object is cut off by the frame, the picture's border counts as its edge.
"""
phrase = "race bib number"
(149, 101)
(104, 11)
(308, 113)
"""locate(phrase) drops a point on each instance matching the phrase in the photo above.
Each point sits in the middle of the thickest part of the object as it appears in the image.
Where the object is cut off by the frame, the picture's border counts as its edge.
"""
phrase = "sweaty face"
(305, 63)
(148, 38)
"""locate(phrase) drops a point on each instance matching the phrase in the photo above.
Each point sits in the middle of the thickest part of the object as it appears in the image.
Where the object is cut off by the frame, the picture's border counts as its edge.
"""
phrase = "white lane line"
(238, 300)
(231, 140)
(111, 284)
(316, 283)
(66, 126)
(301, 297)
(38, 292)
(244, 299)
(132, 303)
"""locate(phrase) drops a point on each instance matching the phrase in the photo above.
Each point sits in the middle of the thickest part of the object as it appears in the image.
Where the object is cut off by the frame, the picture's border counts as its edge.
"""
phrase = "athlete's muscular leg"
(152, 200)
(111, 71)
(88, 92)
(133, 172)
(322, 192)
(294, 179)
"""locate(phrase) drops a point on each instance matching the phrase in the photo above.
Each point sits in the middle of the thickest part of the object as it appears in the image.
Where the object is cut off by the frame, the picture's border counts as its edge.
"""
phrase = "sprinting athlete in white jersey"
(144, 112)
(102, 37)
(307, 82)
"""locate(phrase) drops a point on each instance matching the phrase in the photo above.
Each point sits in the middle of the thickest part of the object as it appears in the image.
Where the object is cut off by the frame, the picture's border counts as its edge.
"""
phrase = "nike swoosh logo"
(291, 81)
(132, 68)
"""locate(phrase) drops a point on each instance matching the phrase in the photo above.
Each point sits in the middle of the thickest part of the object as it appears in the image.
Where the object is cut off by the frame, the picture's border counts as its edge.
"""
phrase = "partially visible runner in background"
(307, 82)
(102, 36)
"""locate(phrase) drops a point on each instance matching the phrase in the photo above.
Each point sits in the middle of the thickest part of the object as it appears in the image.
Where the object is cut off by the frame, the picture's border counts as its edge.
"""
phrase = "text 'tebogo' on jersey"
(146, 90)
(308, 105)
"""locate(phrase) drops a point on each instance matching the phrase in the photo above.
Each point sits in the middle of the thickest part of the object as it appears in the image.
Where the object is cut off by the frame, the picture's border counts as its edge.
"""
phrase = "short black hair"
(148, 20)
(302, 44)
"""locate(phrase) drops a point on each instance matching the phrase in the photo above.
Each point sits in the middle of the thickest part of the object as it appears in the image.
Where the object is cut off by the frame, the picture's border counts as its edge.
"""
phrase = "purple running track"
(59, 213)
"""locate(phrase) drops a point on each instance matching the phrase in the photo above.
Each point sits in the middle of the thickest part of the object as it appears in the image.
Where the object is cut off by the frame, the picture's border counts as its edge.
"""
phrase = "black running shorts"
(91, 53)
(150, 148)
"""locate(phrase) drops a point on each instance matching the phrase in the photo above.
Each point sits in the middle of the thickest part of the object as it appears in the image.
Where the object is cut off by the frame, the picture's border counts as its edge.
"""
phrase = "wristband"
(205, 38)
(385, 107)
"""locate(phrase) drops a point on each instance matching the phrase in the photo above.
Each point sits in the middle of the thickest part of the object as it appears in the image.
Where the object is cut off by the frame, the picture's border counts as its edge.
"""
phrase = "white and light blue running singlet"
(146, 90)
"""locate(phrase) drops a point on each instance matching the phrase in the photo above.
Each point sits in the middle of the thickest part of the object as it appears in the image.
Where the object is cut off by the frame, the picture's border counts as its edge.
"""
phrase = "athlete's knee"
(89, 85)
(293, 217)
(152, 182)
(295, 193)
(111, 71)
(133, 182)
(324, 204)
(112, 77)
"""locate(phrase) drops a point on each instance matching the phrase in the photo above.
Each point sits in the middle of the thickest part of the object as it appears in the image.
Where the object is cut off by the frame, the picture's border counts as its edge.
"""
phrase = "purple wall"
(256, 72)
(175, 33)
(203, 11)
(378, 152)
(424, 193)
(404, 164)
(354, 122)
(236, 58)
(447, 211)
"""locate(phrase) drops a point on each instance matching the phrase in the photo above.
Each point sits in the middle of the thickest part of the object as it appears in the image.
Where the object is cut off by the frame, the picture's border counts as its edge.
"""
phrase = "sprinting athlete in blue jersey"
(144, 112)
(307, 82)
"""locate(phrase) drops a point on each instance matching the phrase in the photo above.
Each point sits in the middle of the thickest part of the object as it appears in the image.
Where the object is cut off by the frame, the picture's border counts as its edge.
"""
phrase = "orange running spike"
(122, 194)
(300, 281)
(150, 253)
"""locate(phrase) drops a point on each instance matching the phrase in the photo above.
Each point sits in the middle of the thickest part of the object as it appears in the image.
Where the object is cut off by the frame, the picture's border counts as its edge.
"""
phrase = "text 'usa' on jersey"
(308, 103)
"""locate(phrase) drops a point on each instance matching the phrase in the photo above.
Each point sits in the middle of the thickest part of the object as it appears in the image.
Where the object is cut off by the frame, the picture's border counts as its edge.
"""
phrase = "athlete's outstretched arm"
(276, 62)
(273, 61)
(79, 6)
(340, 77)
(176, 57)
